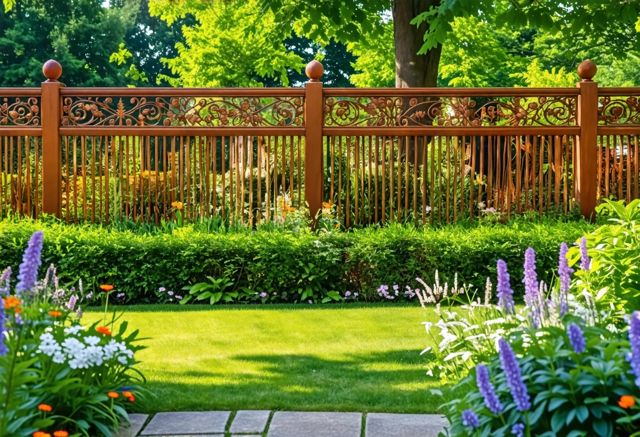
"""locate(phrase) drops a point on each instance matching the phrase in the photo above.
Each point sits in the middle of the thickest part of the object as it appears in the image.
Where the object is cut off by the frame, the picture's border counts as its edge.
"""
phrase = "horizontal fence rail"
(360, 156)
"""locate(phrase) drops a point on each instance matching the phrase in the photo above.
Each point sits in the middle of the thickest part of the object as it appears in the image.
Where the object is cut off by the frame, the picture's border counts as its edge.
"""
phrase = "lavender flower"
(71, 303)
(470, 419)
(3, 346)
(511, 369)
(576, 338)
(518, 430)
(5, 281)
(263, 295)
(585, 262)
(530, 280)
(505, 293)
(487, 390)
(564, 273)
(30, 263)
(634, 341)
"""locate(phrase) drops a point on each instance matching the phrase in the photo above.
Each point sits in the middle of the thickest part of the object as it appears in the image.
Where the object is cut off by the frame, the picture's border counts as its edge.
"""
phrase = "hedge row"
(287, 266)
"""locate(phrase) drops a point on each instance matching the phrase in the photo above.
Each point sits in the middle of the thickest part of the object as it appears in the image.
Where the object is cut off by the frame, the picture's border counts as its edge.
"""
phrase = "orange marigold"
(55, 313)
(41, 434)
(106, 287)
(45, 407)
(61, 433)
(113, 395)
(103, 330)
(627, 401)
(13, 302)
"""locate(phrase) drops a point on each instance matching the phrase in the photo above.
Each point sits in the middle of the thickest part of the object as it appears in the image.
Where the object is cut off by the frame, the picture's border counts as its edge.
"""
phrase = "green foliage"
(80, 34)
(615, 256)
(572, 394)
(289, 266)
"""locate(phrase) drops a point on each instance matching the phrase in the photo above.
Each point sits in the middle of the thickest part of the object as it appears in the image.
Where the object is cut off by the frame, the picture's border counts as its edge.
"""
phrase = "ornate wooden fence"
(371, 155)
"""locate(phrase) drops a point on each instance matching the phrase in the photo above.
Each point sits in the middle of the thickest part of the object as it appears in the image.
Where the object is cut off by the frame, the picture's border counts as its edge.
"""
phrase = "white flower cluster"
(83, 353)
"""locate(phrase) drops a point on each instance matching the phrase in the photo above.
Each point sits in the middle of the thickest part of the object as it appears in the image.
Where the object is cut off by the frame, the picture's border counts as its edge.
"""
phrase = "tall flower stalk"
(634, 340)
(3, 345)
(5, 282)
(487, 390)
(576, 338)
(28, 274)
(564, 273)
(505, 292)
(530, 280)
(585, 262)
(513, 375)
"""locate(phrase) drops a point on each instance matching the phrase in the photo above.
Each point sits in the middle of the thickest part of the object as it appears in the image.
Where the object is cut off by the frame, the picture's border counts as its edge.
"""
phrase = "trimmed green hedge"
(288, 266)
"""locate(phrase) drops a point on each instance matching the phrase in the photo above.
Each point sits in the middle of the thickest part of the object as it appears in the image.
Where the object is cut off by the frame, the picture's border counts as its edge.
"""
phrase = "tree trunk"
(413, 70)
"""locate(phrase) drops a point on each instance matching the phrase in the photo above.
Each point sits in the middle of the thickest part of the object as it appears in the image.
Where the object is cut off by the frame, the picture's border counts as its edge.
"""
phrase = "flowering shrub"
(57, 376)
(571, 381)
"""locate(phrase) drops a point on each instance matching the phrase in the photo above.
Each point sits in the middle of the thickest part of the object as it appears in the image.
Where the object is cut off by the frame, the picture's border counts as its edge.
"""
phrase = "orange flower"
(55, 313)
(132, 398)
(113, 395)
(177, 205)
(60, 433)
(127, 394)
(45, 407)
(626, 401)
(106, 287)
(103, 330)
(41, 434)
(13, 302)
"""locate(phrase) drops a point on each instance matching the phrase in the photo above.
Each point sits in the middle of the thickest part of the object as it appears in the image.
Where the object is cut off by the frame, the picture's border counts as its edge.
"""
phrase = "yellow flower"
(177, 205)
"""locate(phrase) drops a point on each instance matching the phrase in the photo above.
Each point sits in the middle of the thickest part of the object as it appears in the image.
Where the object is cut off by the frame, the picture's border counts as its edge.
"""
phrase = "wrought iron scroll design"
(450, 111)
(19, 111)
(617, 111)
(225, 111)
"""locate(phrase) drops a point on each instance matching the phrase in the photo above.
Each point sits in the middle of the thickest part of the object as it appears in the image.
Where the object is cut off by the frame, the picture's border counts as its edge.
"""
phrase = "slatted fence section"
(235, 154)
(405, 155)
(20, 152)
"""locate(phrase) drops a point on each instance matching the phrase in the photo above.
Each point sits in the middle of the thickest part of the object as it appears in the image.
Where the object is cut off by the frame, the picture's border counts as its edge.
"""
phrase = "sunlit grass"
(347, 357)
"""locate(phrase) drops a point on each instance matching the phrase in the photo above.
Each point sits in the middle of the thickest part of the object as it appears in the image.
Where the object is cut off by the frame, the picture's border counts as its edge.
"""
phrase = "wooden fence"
(367, 155)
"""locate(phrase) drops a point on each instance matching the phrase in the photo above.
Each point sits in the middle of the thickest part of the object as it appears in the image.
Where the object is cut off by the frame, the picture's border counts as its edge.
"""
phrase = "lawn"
(334, 357)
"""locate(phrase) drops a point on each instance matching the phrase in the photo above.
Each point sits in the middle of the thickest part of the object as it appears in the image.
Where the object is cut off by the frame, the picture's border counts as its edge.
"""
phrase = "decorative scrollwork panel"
(450, 111)
(622, 110)
(183, 111)
(19, 111)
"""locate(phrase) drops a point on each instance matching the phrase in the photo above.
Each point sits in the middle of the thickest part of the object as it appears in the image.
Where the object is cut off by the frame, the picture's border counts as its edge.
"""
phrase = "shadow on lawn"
(393, 381)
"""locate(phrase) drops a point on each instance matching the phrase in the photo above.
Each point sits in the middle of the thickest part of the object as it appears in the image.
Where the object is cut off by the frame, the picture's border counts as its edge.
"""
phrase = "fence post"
(585, 167)
(313, 123)
(51, 116)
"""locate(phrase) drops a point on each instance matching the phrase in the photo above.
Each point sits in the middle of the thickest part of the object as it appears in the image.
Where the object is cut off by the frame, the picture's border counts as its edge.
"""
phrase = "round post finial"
(586, 70)
(52, 70)
(314, 71)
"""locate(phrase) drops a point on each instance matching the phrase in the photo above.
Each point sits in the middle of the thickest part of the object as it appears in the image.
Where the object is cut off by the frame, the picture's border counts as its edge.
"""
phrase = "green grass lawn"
(333, 357)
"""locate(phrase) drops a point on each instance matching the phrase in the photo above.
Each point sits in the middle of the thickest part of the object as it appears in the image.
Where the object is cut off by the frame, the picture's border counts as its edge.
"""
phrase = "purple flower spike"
(634, 340)
(564, 273)
(531, 286)
(30, 264)
(470, 419)
(511, 370)
(5, 281)
(576, 338)
(505, 293)
(518, 430)
(585, 262)
(3, 346)
(487, 390)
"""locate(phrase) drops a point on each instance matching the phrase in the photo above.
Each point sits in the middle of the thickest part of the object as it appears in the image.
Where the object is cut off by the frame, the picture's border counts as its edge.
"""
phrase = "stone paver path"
(262, 423)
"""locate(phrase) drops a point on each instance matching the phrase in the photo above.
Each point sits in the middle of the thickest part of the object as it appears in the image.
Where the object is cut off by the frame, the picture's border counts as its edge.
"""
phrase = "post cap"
(314, 71)
(52, 70)
(586, 70)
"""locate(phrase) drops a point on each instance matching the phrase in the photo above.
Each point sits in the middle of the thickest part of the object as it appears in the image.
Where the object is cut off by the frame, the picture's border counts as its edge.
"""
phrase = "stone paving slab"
(187, 423)
(250, 421)
(298, 424)
(404, 425)
(136, 422)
